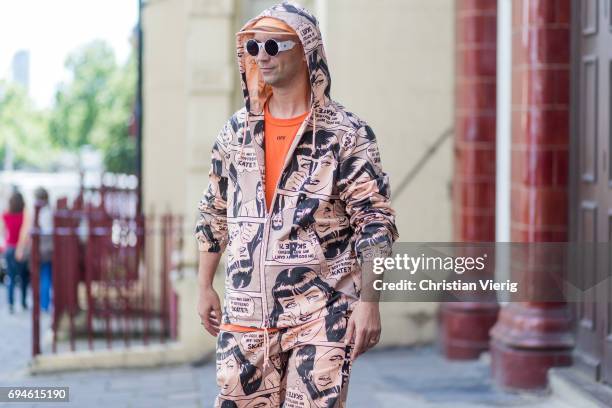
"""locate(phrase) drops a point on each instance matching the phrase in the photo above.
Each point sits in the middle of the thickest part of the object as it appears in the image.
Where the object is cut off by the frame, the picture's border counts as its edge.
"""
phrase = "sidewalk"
(16, 335)
(408, 377)
(415, 378)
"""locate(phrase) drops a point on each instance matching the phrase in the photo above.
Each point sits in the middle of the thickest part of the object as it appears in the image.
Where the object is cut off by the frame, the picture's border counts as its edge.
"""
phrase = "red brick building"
(545, 114)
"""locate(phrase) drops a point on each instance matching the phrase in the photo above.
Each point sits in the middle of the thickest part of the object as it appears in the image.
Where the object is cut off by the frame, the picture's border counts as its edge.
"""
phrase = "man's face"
(284, 67)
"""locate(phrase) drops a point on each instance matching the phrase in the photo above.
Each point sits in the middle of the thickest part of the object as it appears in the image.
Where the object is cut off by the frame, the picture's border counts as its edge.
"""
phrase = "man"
(288, 303)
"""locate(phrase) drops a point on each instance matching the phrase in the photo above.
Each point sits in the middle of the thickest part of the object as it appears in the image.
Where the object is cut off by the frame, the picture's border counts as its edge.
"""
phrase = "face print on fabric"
(299, 296)
(277, 214)
(333, 231)
(259, 192)
(319, 77)
(330, 328)
(255, 207)
(277, 221)
(298, 374)
(312, 169)
(274, 379)
(240, 262)
(277, 362)
(327, 218)
(281, 203)
(234, 371)
(320, 368)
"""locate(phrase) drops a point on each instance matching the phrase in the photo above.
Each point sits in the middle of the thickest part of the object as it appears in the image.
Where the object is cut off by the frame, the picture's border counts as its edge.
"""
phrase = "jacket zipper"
(266, 232)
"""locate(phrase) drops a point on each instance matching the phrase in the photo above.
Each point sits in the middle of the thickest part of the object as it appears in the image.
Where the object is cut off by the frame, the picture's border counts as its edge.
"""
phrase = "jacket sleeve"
(364, 188)
(211, 226)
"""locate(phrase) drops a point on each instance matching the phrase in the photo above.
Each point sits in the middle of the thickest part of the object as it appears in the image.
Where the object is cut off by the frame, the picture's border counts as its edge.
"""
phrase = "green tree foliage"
(23, 128)
(95, 106)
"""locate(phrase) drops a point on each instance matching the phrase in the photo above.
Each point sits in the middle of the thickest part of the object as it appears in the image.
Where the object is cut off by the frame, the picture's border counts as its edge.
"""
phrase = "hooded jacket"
(331, 209)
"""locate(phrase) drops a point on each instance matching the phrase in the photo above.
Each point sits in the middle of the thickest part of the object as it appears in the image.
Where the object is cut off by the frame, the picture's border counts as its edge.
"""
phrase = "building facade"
(523, 87)
(388, 61)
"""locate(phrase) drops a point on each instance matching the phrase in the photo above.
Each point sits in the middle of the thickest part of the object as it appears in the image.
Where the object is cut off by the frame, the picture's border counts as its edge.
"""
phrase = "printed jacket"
(300, 260)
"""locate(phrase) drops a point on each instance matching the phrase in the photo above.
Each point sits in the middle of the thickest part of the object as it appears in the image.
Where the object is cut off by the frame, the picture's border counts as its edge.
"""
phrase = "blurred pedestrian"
(13, 221)
(45, 223)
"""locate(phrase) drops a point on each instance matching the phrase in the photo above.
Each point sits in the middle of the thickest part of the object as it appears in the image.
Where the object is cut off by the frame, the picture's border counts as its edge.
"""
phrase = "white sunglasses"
(271, 46)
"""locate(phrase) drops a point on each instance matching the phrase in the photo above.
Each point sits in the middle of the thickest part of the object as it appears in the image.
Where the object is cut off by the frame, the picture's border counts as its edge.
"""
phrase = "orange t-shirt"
(278, 135)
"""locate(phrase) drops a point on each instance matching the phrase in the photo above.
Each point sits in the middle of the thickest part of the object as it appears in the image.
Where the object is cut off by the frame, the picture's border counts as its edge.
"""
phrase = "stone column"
(464, 326)
(211, 75)
(531, 337)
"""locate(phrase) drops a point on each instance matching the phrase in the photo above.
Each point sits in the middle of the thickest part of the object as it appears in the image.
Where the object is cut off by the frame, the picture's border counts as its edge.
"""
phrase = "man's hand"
(209, 306)
(209, 310)
(363, 327)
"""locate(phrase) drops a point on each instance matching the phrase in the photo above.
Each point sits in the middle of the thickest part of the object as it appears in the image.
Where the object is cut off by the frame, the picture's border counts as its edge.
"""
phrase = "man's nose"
(262, 55)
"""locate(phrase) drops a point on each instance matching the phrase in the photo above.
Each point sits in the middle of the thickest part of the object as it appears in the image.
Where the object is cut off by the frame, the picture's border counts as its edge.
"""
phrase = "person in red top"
(12, 221)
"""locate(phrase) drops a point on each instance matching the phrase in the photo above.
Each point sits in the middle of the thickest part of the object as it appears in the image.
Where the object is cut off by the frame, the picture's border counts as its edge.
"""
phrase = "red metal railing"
(111, 272)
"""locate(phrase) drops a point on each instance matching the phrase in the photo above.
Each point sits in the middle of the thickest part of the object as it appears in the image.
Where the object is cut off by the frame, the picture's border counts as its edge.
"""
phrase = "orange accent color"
(271, 22)
(278, 136)
(243, 329)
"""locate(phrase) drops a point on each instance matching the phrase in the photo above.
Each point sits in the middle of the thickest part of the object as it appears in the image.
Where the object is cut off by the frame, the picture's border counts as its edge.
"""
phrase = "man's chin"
(271, 79)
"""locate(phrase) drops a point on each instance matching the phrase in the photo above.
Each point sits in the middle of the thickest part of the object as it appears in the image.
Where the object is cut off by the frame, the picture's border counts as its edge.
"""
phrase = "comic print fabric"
(309, 367)
(300, 260)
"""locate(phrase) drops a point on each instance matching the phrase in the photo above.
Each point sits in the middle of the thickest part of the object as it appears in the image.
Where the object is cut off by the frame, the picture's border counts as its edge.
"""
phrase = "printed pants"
(308, 366)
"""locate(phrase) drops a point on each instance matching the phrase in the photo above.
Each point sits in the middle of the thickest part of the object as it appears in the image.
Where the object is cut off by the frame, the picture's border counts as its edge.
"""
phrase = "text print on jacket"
(299, 261)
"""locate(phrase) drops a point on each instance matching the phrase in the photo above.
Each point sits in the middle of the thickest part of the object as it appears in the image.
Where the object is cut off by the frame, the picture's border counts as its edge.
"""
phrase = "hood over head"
(306, 26)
